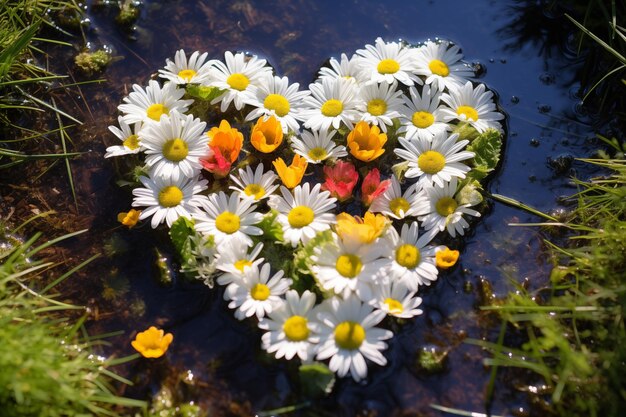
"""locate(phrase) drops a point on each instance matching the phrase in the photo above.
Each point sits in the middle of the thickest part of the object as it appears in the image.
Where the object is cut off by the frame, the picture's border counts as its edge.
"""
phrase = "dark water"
(527, 58)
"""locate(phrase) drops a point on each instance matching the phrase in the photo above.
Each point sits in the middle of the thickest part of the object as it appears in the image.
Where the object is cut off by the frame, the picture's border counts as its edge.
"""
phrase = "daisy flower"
(175, 145)
(275, 96)
(233, 258)
(441, 64)
(422, 116)
(227, 218)
(444, 212)
(181, 71)
(397, 300)
(304, 213)
(435, 161)
(131, 143)
(318, 146)
(413, 262)
(239, 76)
(347, 267)
(348, 337)
(153, 102)
(254, 184)
(379, 104)
(168, 199)
(387, 62)
(256, 293)
(393, 203)
(332, 102)
(288, 327)
(346, 68)
(472, 105)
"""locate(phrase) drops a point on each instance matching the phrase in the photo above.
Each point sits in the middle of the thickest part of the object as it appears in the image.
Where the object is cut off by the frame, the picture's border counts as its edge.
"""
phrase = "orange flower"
(291, 175)
(364, 230)
(446, 258)
(267, 135)
(228, 139)
(129, 219)
(366, 142)
(152, 343)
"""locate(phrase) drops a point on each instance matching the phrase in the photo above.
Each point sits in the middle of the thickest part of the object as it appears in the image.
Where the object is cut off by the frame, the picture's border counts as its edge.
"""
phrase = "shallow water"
(526, 59)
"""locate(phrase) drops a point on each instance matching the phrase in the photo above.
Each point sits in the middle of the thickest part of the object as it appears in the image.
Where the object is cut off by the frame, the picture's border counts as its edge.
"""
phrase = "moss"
(129, 13)
(90, 63)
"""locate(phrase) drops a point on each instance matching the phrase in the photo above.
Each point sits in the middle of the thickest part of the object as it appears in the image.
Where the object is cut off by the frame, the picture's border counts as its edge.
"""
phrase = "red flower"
(216, 163)
(340, 180)
(372, 187)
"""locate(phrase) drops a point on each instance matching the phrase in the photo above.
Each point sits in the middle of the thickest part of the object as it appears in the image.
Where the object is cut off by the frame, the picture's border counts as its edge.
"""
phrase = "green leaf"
(316, 380)
(180, 233)
(202, 92)
(270, 227)
(470, 193)
(487, 148)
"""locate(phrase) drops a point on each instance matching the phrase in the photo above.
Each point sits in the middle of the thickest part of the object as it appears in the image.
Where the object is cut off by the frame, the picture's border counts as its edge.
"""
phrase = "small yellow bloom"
(267, 135)
(291, 175)
(366, 142)
(227, 139)
(129, 219)
(152, 343)
(364, 230)
(446, 258)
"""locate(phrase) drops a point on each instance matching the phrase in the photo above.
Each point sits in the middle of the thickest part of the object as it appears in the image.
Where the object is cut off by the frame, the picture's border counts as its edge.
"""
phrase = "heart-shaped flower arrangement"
(387, 152)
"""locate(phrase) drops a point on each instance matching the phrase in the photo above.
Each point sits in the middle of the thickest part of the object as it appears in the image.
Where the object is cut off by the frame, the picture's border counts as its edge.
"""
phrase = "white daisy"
(318, 146)
(227, 218)
(346, 68)
(256, 293)
(175, 145)
(181, 71)
(168, 199)
(288, 327)
(435, 161)
(395, 299)
(472, 105)
(441, 64)
(387, 62)
(276, 97)
(153, 102)
(254, 184)
(304, 213)
(332, 102)
(348, 337)
(239, 76)
(394, 203)
(131, 143)
(380, 103)
(422, 116)
(233, 258)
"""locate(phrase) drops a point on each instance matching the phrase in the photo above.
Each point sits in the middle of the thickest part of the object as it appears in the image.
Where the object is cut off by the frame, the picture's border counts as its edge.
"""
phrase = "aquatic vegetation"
(90, 63)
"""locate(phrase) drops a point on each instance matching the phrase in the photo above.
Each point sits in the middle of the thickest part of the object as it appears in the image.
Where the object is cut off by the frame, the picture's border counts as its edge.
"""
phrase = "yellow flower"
(364, 230)
(267, 135)
(366, 142)
(291, 175)
(152, 343)
(227, 139)
(446, 258)
(129, 219)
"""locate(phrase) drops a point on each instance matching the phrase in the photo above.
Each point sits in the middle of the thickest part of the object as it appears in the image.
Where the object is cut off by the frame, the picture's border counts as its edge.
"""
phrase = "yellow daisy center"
(300, 216)
(241, 264)
(175, 149)
(446, 206)
(132, 142)
(187, 74)
(388, 66)
(408, 256)
(296, 328)
(254, 189)
(278, 103)
(376, 107)
(469, 112)
(431, 162)
(332, 108)
(318, 153)
(155, 111)
(260, 292)
(422, 119)
(349, 265)
(349, 335)
(399, 204)
(394, 306)
(170, 196)
(227, 222)
(238, 81)
(438, 67)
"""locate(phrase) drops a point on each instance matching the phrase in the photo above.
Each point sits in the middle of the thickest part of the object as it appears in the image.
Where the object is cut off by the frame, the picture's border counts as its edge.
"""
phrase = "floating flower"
(398, 205)
(363, 230)
(372, 187)
(255, 184)
(233, 258)
(395, 299)
(318, 146)
(346, 68)
(153, 102)
(181, 71)
(267, 134)
(366, 142)
(446, 258)
(422, 116)
(441, 64)
(387, 62)
(225, 144)
(130, 218)
(380, 104)
(472, 105)
(332, 103)
(131, 143)
(152, 343)
(291, 175)
(340, 180)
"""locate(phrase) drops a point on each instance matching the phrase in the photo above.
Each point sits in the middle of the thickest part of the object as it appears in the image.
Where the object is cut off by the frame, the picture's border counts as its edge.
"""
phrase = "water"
(524, 55)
